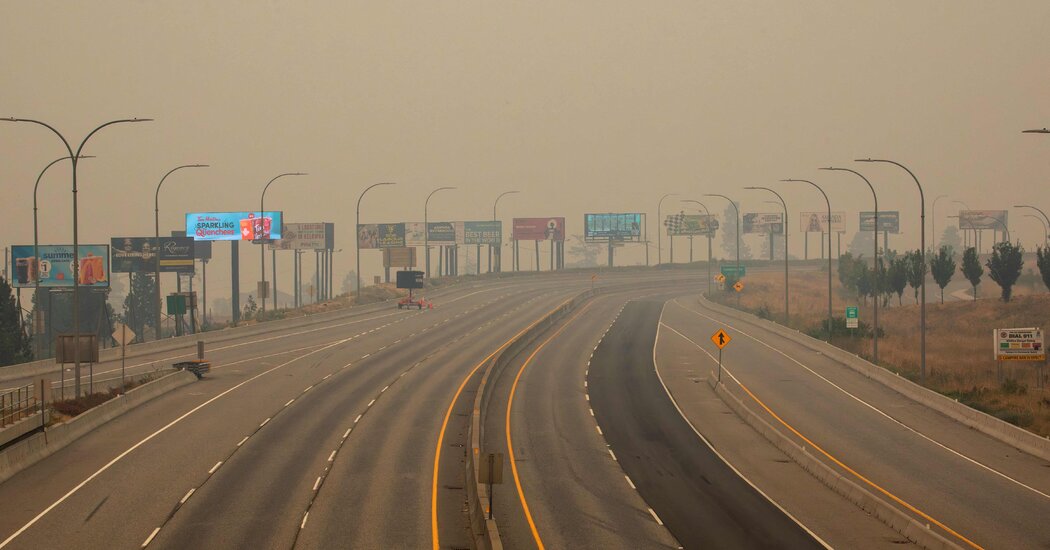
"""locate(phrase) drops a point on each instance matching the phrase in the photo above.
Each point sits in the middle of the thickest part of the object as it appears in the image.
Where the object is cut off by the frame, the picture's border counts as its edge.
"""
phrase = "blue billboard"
(617, 227)
(54, 267)
(233, 226)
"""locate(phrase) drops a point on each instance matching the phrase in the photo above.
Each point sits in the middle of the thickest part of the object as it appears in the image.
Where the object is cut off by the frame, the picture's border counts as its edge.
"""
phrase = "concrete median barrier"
(35, 448)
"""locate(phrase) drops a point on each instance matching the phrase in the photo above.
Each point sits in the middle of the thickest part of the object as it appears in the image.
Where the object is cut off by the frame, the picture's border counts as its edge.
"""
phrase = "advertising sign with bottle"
(234, 226)
(54, 267)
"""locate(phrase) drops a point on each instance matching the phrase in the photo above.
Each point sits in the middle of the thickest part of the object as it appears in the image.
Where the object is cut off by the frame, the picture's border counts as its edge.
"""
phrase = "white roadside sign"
(1019, 344)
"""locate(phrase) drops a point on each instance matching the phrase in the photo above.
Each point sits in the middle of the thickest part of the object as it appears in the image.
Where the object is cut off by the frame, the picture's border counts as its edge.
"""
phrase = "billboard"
(399, 257)
(414, 234)
(889, 222)
(817, 222)
(54, 267)
(301, 236)
(617, 227)
(487, 232)
(201, 249)
(763, 222)
(691, 224)
(442, 232)
(381, 235)
(538, 229)
(1019, 344)
(233, 226)
(982, 219)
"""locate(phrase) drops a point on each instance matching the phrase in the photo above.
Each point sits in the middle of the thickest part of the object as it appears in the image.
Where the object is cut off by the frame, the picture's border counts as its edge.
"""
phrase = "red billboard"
(538, 229)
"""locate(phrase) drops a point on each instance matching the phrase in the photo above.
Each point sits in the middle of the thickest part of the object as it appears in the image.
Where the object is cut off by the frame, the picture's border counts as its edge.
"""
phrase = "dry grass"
(959, 357)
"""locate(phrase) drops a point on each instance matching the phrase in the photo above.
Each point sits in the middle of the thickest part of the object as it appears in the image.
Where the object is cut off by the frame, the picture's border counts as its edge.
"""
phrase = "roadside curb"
(485, 532)
(870, 503)
(991, 426)
(39, 446)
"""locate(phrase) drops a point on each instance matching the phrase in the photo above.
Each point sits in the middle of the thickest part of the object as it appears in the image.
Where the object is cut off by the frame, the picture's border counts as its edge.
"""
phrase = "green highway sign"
(734, 271)
(851, 317)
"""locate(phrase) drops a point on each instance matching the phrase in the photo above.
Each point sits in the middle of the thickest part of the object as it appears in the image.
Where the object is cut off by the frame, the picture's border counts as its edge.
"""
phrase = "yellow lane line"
(448, 414)
(510, 444)
(830, 457)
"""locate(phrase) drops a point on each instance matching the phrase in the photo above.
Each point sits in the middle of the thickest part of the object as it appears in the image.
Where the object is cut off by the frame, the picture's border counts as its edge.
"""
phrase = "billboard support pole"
(156, 242)
(273, 268)
(235, 281)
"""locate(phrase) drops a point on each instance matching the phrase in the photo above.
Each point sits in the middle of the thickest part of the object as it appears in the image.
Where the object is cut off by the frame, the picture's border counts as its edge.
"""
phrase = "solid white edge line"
(877, 410)
(149, 539)
(656, 367)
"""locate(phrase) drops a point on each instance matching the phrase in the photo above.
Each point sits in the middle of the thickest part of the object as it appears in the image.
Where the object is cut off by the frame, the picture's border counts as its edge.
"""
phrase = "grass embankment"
(959, 360)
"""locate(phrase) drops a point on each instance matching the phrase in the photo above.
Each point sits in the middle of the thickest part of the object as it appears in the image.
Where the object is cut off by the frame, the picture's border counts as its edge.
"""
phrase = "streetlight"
(659, 220)
(933, 221)
(709, 234)
(829, 247)
(498, 253)
(156, 242)
(966, 235)
(787, 317)
(36, 247)
(737, 212)
(1046, 229)
(74, 158)
(875, 260)
(262, 246)
(922, 255)
(1037, 209)
(358, 240)
(1036, 131)
(426, 228)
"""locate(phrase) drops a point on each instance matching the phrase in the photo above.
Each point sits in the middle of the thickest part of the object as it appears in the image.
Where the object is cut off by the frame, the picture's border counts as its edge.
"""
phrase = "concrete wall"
(31, 450)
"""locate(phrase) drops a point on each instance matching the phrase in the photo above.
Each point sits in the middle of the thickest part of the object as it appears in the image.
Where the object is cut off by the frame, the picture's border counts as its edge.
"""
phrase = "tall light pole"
(828, 202)
(426, 228)
(498, 253)
(922, 254)
(262, 246)
(787, 316)
(156, 242)
(933, 219)
(36, 250)
(1046, 229)
(659, 239)
(74, 158)
(357, 240)
(965, 234)
(709, 235)
(1036, 131)
(737, 212)
(874, 263)
(1045, 217)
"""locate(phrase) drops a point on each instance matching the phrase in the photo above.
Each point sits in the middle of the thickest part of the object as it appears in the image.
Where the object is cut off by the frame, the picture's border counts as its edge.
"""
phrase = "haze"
(583, 106)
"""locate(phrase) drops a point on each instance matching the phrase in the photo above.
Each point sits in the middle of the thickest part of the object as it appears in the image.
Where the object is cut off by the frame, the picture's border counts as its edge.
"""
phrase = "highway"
(351, 432)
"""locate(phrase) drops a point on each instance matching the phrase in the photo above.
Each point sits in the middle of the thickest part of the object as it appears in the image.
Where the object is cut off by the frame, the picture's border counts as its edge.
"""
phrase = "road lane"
(703, 502)
(987, 492)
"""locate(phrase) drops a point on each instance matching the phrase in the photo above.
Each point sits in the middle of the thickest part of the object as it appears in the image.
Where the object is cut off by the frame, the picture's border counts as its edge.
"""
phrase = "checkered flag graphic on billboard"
(674, 223)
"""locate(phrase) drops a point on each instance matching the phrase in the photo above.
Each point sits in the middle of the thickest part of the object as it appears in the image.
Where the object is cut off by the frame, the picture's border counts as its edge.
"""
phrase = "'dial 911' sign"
(1019, 344)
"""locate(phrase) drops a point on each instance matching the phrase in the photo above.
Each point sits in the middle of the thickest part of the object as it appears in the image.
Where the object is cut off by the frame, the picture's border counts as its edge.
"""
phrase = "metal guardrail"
(18, 403)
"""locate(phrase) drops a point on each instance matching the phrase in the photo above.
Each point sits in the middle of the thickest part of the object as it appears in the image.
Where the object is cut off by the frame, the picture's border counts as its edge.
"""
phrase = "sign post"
(490, 472)
(721, 339)
(123, 336)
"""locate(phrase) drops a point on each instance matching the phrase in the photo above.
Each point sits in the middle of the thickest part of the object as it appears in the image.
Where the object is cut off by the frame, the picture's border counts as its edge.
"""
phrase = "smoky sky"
(583, 106)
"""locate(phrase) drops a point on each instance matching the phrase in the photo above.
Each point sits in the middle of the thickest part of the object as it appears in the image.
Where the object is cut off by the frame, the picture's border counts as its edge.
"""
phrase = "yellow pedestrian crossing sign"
(721, 339)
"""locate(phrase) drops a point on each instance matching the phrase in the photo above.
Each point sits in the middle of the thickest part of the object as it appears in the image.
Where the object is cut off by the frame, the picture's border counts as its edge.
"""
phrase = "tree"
(897, 277)
(349, 282)
(14, 342)
(586, 253)
(861, 243)
(951, 237)
(943, 267)
(847, 271)
(729, 235)
(1004, 267)
(1043, 261)
(251, 307)
(140, 305)
(971, 269)
(916, 269)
